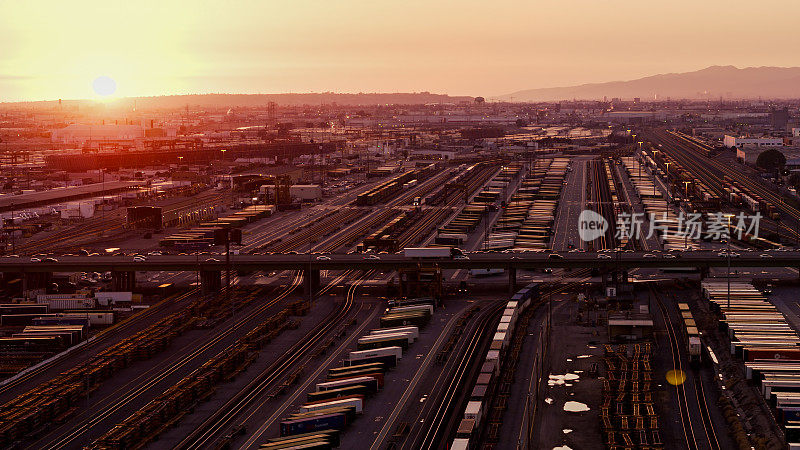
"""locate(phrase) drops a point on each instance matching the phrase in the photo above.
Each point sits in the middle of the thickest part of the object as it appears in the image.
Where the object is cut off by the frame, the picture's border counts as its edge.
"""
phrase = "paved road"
(570, 205)
(524, 260)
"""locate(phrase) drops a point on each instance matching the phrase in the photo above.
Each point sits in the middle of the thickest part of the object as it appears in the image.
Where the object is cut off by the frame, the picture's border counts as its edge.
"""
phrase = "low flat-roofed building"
(629, 326)
(60, 195)
(732, 141)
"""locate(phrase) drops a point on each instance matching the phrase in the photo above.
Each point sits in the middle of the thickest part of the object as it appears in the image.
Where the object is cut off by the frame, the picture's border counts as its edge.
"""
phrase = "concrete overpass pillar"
(123, 281)
(512, 281)
(210, 281)
(35, 280)
(310, 282)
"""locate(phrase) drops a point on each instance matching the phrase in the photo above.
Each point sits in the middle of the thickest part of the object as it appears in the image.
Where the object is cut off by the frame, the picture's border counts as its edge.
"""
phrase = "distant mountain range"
(728, 82)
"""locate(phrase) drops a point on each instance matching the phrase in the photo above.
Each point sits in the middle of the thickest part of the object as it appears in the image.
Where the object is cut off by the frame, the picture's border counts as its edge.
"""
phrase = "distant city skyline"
(57, 50)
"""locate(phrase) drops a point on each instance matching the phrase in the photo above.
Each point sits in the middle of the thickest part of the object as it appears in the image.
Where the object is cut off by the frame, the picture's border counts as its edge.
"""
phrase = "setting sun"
(104, 86)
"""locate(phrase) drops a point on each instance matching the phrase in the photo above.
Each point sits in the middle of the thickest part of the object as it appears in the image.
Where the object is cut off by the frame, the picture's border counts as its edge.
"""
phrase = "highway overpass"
(554, 260)
(210, 267)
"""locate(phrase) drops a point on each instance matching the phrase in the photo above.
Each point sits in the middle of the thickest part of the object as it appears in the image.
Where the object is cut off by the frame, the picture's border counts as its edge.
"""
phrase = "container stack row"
(543, 192)
(678, 234)
(339, 399)
(768, 346)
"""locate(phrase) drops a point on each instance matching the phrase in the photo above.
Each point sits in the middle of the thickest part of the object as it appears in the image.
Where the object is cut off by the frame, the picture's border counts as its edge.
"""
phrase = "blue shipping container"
(316, 423)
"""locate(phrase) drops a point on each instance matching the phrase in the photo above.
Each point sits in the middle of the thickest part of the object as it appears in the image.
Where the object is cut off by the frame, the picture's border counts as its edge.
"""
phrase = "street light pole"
(728, 246)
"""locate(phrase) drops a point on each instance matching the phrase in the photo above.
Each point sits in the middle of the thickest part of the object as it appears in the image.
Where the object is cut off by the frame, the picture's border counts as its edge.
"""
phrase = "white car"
(323, 258)
(648, 255)
(139, 258)
(765, 255)
(603, 256)
(372, 257)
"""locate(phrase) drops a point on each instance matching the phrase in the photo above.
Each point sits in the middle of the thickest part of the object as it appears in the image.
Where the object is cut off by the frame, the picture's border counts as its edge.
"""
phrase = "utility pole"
(728, 252)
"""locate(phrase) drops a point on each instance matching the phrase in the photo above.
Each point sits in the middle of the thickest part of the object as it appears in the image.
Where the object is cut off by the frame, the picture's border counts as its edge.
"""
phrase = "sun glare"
(104, 86)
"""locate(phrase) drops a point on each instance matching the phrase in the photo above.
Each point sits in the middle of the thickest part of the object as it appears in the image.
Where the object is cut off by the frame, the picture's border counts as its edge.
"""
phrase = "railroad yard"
(335, 297)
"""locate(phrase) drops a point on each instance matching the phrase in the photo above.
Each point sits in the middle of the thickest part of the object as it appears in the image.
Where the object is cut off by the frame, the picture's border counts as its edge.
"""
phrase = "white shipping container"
(474, 411)
(385, 351)
(413, 330)
(503, 337)
(460, 444)
(512, 320)
(55, 296)
(373, 338)
(95, 318)
(60, 304)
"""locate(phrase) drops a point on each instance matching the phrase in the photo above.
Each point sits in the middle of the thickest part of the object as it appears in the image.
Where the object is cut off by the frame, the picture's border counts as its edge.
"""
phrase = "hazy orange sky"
(54, 49)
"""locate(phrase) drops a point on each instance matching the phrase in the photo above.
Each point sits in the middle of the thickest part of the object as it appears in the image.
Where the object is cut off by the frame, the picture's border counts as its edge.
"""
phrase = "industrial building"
(732, 141)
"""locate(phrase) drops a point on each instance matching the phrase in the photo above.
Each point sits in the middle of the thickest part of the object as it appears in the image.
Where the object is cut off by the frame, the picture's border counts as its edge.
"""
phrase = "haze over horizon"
(459, 48)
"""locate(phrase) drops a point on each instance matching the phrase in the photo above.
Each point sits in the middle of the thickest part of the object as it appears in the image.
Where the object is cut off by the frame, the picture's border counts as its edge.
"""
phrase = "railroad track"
(104, 336)
(602, 203)
(127, 393)
(205, 435)
(709, 171)
(375, 218)
(695, 440)
(433, 428)
(200, 346)
(431, 431)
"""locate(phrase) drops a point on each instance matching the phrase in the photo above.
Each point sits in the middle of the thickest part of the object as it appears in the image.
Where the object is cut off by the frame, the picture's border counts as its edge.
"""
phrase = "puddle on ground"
(562, 379)
(567, 431)
(571, 406)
